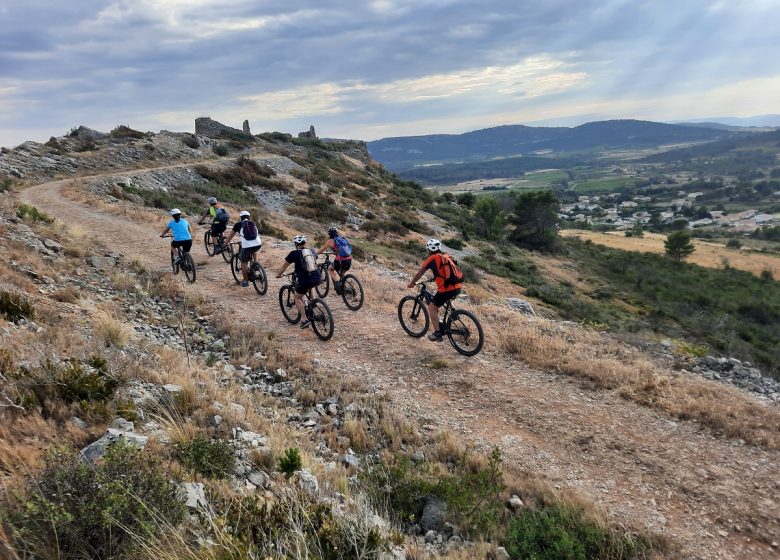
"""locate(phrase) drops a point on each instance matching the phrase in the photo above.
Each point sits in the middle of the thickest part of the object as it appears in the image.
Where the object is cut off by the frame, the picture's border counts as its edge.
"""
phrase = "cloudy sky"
(371, 69)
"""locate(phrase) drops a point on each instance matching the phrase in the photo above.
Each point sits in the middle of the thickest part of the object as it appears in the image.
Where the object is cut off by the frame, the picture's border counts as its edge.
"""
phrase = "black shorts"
(245, 255)
(186, 245)
(440, 298)
(303, 285)
(218, 227)
(342, 266)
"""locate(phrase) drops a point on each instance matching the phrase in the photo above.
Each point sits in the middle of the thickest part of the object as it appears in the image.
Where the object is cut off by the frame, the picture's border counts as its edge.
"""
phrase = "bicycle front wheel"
(227, 252)
(174, 263)
(287, 303)
(235, 269)
(323, 287)
(465, 333)
(208, 243)
(413, 316)
(321, 319)
(189, 267)
(352, 292)
(259, 278)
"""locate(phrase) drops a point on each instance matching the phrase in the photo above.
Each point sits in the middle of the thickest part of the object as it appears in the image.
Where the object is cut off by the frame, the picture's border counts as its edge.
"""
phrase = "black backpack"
(248, 230)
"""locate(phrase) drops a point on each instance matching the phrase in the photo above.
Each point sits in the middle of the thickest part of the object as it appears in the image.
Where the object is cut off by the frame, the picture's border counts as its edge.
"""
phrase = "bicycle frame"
(427, 297)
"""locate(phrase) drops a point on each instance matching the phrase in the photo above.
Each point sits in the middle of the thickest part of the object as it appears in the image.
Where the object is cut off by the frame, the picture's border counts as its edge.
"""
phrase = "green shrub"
(191, 141)
(290, 462)
(124, 131)
(733, 243)
(559, 532)
(15, 306)
(6, 184)
(386, 226)
(314, 204)
(246, 172)
(454, 243)
(210, 458)
(75, 383)
(26, 212)
(220, 150)
(74, 510)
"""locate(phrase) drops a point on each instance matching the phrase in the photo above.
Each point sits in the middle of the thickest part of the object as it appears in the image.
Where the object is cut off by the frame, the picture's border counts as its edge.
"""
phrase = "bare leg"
(245, 271)
(433, 311)
(299, 305)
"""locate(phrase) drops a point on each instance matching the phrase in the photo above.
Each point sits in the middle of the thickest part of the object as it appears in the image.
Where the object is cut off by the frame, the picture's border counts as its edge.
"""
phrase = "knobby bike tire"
(259, 278)
(189, 268)
(413, 315)
(235, 269)
(174, 265)
(465, 332)
(227, 252)
(323, 287)
(287, 304)
(321, 319)
(352, 292)
(209, 245)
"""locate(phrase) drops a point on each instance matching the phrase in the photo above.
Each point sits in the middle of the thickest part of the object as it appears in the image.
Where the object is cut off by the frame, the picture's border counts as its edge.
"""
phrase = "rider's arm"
(417, 276)
(165, 230)
(328, 245)
(281, 270)
(229, 237)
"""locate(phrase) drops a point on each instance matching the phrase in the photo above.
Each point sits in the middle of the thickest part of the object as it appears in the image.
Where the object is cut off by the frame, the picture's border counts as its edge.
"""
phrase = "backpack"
(308, 260)
(248, 230)
(449, 270)
(222, 215)
(343, 246)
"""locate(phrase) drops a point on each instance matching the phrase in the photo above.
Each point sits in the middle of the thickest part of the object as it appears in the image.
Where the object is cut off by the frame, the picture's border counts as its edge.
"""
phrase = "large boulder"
(433, 514)
(520, 305)
(95, 450)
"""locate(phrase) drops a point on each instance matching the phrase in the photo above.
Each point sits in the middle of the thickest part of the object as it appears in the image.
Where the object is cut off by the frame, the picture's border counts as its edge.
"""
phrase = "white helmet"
(299, 239)
(243, 213)
(433, 245)
(212, 200)
(175, 211)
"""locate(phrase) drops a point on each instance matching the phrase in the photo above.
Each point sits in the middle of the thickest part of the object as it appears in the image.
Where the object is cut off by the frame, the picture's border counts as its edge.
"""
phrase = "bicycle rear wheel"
(323, 287)
(352, 292)
(321, 319)
(287, 303)
(227, 251)
(208, 243)
(235, 269)
(258, 277)
(189, 267)
(413, 316)
(465, 332)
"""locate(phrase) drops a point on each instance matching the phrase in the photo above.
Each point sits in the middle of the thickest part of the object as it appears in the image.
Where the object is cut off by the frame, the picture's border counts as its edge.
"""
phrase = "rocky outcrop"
(246, 128)
(205, 126)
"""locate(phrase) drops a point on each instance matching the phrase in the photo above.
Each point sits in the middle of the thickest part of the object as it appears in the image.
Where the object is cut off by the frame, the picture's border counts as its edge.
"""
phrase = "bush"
(6, 184)
(191, 141)
(124, 131)
(290, 461)
(77, 383)
(86, 145)
(220, 150)
(75, 510)
(15, 306)
(246, 172)
(559, 532)
(210, 458)
(26, 212)
(454, 243)
(734, 244)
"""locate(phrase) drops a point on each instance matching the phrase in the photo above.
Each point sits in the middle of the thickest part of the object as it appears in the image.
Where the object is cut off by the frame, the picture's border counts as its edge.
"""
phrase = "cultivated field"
(709, 254)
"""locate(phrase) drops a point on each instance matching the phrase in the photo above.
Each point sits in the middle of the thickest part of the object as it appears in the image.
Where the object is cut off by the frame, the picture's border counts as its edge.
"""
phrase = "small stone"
(95, 450)
(194, 496)
(78, 422)
(433, 513)
(258, 478)
(419, 456)
(216, 420)
(308, 482)
(173, 389)
(236, 408)
(515, 503)
(101, 263)
(430, 537)
(350, 460)
(122, 424)
(229, 368)
(52, 245)
(501, 554)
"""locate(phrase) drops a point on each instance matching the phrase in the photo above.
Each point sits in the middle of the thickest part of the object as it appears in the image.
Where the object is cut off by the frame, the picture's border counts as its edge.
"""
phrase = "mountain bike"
(215, 244)
(183, 261)
(461, 327)
(317, 311)
(256, 275)
(351, 288)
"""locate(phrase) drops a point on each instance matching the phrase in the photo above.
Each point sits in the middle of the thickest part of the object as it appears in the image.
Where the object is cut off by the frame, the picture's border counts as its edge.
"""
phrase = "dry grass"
(109, 331)
(69, 294)
(601, 360)
(447, 448)
(439, 363)
(356, 429)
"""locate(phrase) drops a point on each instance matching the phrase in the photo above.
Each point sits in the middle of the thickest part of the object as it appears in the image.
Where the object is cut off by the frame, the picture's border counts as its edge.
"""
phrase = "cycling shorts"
(245, 255)
(342, 266)
(440, 298)
(218, 227)
(302, 286)
(186, 245)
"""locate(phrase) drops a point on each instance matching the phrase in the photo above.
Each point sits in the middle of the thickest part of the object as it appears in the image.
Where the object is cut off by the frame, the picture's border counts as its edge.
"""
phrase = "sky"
(376, 68)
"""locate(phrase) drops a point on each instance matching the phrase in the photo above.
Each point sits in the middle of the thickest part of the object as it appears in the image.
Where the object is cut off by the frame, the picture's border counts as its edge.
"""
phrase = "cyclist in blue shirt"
(181, 231)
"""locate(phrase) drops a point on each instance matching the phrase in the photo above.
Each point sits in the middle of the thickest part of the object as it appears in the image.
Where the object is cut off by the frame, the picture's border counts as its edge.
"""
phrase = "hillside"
(403, 153)
(616, 444)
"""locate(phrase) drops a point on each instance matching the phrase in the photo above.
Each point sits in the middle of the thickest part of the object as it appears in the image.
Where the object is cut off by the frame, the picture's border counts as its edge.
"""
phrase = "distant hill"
(758, 121)
(403, 153)
(753, 140)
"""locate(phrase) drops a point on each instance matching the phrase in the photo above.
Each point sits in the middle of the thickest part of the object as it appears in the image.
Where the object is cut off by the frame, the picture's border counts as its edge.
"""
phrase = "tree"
(466, 199)
(490, 217)
(536, 214)
(678, 245)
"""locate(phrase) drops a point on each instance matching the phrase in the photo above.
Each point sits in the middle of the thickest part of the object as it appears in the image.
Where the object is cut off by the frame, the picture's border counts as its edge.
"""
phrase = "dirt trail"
(715, 497)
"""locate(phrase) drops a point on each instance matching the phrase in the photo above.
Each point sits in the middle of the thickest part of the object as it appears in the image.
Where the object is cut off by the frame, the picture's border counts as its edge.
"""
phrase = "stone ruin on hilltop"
(308, 133)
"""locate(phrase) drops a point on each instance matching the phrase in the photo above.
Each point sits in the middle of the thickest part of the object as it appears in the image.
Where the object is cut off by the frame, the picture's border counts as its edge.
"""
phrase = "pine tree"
(678, 245)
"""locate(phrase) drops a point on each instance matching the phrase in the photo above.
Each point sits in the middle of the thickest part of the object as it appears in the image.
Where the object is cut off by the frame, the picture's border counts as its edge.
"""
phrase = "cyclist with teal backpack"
(342, 251)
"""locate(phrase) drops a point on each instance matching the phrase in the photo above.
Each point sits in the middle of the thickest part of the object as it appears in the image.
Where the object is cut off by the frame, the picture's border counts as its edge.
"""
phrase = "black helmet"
(332, 232)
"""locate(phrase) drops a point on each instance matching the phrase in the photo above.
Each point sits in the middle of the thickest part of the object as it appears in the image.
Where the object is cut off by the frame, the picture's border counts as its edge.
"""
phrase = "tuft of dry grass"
(68, 294)
(108, 331)
(447, 448)
(439, 363)
(356, 429)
